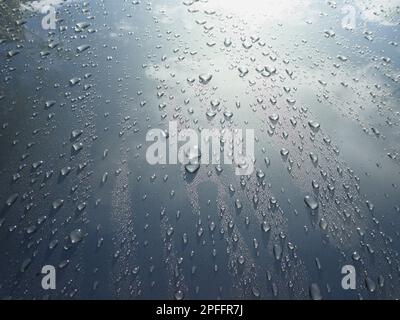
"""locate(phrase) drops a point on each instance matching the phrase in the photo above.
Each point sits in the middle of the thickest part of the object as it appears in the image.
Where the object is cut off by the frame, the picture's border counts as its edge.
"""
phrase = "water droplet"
(76, 236)
(57, 204)
(311, 202)
(277, 251)
(179, 295)
(11, 199)
(82, 48)
(25, 264)
(265, 226)
(315, 292)
(314, 125)
(370, 284)
(74, 81)
(53, 244)
(205, 78)
(274, 117)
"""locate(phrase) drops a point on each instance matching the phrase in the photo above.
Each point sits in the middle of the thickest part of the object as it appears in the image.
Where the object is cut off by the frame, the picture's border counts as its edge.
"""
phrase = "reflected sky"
(279, 68)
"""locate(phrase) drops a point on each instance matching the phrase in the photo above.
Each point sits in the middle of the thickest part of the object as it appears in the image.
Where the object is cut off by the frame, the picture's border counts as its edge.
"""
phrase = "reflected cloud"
(280, 10)
(40, 5)
(385, 12)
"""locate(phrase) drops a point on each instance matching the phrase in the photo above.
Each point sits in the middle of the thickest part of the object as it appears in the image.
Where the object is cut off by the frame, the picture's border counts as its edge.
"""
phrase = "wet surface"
(318, 82)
